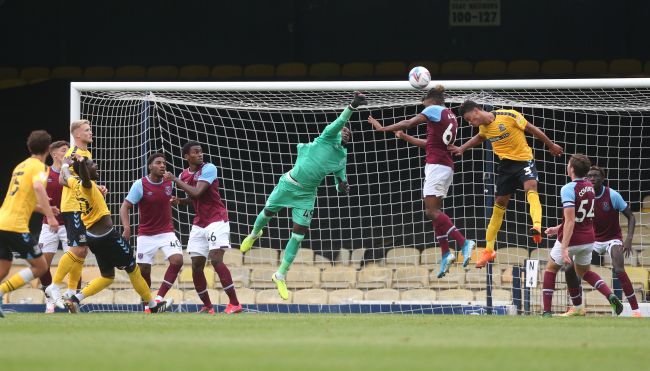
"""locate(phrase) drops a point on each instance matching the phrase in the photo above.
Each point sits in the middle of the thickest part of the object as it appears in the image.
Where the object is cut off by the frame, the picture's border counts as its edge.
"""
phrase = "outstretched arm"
(533, 130)
(422, 143)
(400, 126)
(475, 141)
(332, 130)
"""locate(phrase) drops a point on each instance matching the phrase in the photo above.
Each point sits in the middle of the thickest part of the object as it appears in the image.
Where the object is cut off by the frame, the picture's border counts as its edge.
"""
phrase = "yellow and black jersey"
(506, 133)
(68, 201)
(90, 201)
(20, 200)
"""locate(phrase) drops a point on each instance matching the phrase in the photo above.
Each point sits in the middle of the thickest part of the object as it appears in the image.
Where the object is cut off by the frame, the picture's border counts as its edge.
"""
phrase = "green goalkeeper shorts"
(290, 194)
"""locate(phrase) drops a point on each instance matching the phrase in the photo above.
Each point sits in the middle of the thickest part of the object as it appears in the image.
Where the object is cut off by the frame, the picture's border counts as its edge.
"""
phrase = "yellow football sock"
(75, 274)
(95, 286)
(140, 285)
(65, 265)
(535, 208)
(493, 228)
(16, 281)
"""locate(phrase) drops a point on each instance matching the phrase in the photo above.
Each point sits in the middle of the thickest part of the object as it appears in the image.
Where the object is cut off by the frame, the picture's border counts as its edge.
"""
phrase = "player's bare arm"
(569, 224)
(422, 143)
(402, 125)
(125, 210)
(175, 201)
(42, 199)
(475, 141)
(631, 225)
(193, 192)
(533, 130)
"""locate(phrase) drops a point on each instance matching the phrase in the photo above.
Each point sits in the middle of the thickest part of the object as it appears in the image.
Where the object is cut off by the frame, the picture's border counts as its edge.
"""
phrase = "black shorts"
(75, 228)
(511, 175)
(19, 245)
(111, 251)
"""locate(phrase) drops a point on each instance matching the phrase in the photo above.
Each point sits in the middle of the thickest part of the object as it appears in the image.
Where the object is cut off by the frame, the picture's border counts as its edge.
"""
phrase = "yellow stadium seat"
(523, 68)
(645, 206)
(639, 276)
(433, 67)
(7, 73)
(27, 295)
(625, 67)
(646, 68)
(194, 72)
(430, 257)
(345, 296)
(127, 296)
(106, 296)
(261, 255)
(162, 73)
(310, 296)
(339, 277)
(456, 295)
(356, 257)
(410, 277)
(419, 295)
(271, 297)
(374, 277)
(304, 256)
(227, 72)
(591, 68)
(490, 68)
(130, 72)
(322, 262)
(35, 73)
(244, 296)
(175, 294)
(477, 278)
(391, 69)
(240, 276)
(453, 279)
(541, 254)
(511, 256)
(233, 258)
(261, 277)
(292, 70)
(402, 256)
(456, 68)
(303, 277)
(497, 295)
(382, 295)
(325, 71)
(67, 72)
(557, 67)
(357, 70)
(475, 254)
(185, 280)
(343, 257)
(259, 71)
(190, 296)
(99, 73)
(12, 83)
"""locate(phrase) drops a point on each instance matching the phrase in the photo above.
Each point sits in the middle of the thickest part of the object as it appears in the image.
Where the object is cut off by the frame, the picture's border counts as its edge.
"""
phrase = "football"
(419, 77)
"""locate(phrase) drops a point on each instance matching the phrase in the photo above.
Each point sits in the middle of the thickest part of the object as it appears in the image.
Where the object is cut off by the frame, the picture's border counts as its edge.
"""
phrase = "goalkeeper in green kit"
(297, 188)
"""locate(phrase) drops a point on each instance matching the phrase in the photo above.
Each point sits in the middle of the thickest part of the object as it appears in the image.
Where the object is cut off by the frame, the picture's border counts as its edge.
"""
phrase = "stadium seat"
(557, 67)
(402, 256)
(88, 274)
(99, 73)
(261, 256)
(8, 73)
(506, 275)
(233, 258)
(523, 68)
(395, 70)
(456, 68)
(27, 295)
(127, 296)
(240, 276)
(490, 68)
(194, 72)
(106, 296)
(345, 296)
(382, 295)
(625, 67)
(261, 277)
(498, 295)
(185, 280)
(32, 74)
(310, 296)
(541, 254)
(356, 258)
(175, 294)
(639, 276)
(292, 70)
(430, 257)
(418, 295)
(325, 71)
(454, 279)
(477, 278)
(456, 295)
(259, 71)
(67, 72)
(593, 68)
(304, 256)
(433, 67)
(343, 257)
(644, 257)
(157, 275)
(511, 256)
(475, 254)
(303, 277)
(12, 83)
(338, 277)
(130, 72)
(374, 277)
(323, 262)
(162, 73)
(645, 206)
(357, 70)
(191, 297)
(410, 277)
(596, 302)
(271, 297)
(227, 72)
(646, 68)
(244, 296)
(560, 299)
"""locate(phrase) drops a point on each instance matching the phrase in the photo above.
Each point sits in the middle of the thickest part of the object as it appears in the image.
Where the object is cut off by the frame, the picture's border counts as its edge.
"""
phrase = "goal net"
(373, 250)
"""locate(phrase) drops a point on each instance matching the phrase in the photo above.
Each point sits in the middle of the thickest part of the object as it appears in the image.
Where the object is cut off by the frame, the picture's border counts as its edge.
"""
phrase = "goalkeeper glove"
(359, 99)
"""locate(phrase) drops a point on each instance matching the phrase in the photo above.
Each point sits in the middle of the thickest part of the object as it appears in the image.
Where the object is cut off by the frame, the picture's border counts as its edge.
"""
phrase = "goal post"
(374, 248)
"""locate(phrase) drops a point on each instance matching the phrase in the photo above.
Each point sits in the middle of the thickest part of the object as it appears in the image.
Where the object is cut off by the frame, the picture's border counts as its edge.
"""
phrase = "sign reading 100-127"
(474, 12)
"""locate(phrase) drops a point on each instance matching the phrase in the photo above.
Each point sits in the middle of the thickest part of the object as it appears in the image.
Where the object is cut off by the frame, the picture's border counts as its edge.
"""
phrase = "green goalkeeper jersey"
(324, 156)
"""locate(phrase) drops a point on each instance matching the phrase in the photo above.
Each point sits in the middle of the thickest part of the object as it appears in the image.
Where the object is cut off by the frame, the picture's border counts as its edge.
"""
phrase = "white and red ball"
(419, 77)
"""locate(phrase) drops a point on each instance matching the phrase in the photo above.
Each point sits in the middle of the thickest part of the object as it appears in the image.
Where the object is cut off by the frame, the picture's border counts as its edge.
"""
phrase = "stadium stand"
(392, 70)
(357, 70)
(259, 71)
(523, 68)
(456, 68)
(194, 72)
(324, 70)
(592, 68)
(490, 68)
(162, 73)
(227, 72)
(557, 67)
(625, 67)
(99, 73)
(67, 73)
(292, 70)
(419, 295)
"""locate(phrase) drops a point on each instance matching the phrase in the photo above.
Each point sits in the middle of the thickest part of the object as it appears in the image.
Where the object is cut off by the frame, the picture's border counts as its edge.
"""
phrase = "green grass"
(320, 342)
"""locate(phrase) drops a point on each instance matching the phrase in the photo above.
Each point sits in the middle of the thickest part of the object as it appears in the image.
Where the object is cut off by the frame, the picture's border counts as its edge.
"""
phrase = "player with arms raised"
(25, 193)
(210, 233)
(110, 249)
(608, 204)
(439, 169)
(575, 236)
(506, 130)
(297, 189)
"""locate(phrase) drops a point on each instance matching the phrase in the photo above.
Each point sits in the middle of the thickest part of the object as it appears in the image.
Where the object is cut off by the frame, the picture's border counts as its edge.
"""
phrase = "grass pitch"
(121, 341)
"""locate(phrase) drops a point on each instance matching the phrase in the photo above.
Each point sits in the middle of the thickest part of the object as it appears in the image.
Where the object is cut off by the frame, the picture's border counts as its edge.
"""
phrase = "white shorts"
(49, 242)
(147, 246)
(580, 254)
(203, 240)
(606, 247)
(437, 180)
